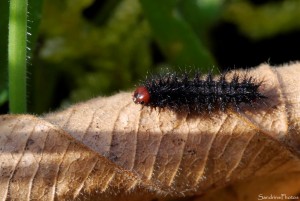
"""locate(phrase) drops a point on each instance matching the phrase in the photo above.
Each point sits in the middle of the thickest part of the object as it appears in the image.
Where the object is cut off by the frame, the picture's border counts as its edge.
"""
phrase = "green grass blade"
(201, 15)
(174, 35)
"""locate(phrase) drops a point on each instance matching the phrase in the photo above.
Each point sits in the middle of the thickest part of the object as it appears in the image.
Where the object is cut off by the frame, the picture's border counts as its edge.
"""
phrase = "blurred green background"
(82, 49)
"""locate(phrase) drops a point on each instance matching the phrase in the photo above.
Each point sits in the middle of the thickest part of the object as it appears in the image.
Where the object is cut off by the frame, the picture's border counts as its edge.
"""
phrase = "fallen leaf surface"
(112, 149)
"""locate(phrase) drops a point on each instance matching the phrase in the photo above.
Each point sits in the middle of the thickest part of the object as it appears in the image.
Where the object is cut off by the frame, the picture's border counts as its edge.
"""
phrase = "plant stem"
(17, 55)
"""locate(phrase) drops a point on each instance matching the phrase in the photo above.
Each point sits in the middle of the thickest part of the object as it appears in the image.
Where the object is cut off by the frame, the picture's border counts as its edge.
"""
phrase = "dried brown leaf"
(109, 148)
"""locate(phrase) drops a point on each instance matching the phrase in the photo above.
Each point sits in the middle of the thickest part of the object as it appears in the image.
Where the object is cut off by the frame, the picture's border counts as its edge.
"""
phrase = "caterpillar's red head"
(141, 95)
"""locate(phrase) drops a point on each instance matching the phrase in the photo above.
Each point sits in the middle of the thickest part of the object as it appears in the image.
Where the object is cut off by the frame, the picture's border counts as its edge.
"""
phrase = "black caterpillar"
(182, 92)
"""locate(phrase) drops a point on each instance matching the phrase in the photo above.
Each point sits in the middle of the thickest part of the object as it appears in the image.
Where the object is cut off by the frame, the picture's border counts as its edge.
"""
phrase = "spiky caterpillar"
(180, 92)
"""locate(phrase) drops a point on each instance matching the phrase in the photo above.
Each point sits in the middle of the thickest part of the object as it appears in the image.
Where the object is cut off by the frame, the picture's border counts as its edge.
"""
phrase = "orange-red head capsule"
(141, 95)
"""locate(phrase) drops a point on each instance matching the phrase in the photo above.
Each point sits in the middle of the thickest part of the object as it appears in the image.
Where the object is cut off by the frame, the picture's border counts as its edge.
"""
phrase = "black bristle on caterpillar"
(181, 92)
